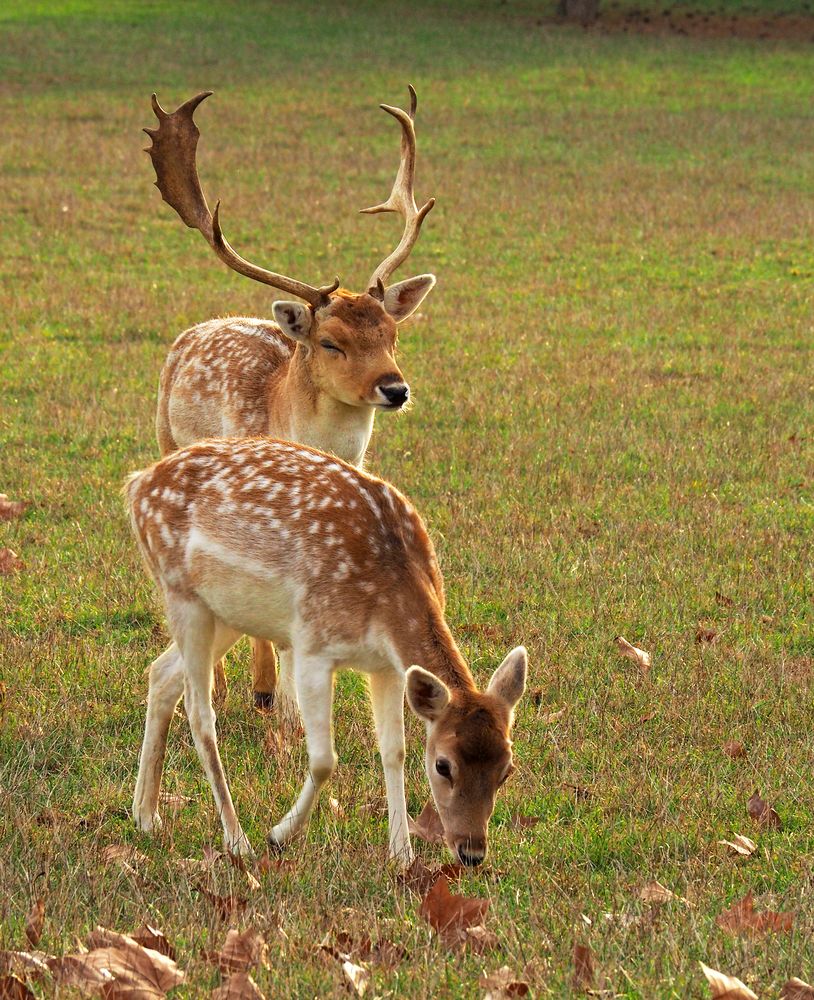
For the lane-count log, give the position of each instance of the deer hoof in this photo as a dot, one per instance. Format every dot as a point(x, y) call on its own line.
point(264, 701)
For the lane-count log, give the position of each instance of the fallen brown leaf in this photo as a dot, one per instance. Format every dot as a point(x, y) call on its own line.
point(273, 863)
point(521, 822)
point(584, 972)
point(579, 793)
point(240, 952)
point(734, 749)
point(796, 989)
point(357, 977)
point(704, 634)
point(450, 915)
point(742, 919)
point(640, 657)
point(149, 937)
point(536, 697)
point(726, 987)
point(35, 922)
point(740, 845)
point(10, 562)
point(122, 854)
point(173, 801)
point(655, 892)
point(239, 986)
point(762, 813)
point(225, 906)
point(420, 878)
point(25, 964)
point(9, 509)
point(118, 968)
point(550, 717)
point(502, 985)
point(13, 988)
point(480, 940)
point(336, 808)
point(427, 825)
point(723, 600)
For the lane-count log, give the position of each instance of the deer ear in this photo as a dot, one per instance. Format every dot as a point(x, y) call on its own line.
point(293, 318)
point(402, 299)
point(427, 694)
point(509, 680)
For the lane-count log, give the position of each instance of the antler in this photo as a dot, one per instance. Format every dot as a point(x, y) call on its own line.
point(173, 155)
point(402, 198)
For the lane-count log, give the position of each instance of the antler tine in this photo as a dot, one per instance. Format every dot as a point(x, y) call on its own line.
point(174, 144)
point(402, 197)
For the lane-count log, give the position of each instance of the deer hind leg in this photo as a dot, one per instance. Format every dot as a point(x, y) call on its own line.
point(203, 640)
point(166, 688)
point(264, 671)
point(221, 687)
point(287, 694)
point(314, 679)
point(387, 701)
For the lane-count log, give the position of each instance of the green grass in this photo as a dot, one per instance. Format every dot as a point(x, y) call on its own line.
point(613, 412)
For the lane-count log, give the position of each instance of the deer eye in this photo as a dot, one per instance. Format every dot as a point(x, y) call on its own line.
point(443, 768)
point(331, 347)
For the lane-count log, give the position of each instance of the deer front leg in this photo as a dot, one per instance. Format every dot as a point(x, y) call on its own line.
point(314, 680)
point(166, 688)
point(387, 700)
point(264, 673)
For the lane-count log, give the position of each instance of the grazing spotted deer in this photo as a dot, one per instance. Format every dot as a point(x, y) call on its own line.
point(316, 375)
point(276, 540)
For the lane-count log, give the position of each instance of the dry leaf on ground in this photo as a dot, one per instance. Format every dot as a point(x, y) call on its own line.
point(149, 937)
point(762, 813)
point(357, 977)
point(25, 963)
point(450, 915)
point(10, 562)
point(420, 878)
point(734, 749)
point(740, 845)
point(479, 939)
point(35, 922)
point(9, 509)
point(240, 952)
point(550, 717)
point(225, 906)
point(638, 656)
point(239, 986)
point(13, 988)
point(655, 892)
point(122, 854)
point(742, 919)
point(796, 989)
point(118, 968)
point(726, 987)
point(502, 985)
point(173, 801)
point(704, 634)
point(584, 972)
point(723, 600)
point(336, 808)
point(521, 822)
point(427, 825)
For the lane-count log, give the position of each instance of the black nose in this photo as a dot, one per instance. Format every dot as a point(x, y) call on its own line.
point(396, 395)
point(470, 860)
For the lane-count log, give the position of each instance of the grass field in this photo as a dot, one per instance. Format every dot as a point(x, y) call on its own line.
point(613, 423)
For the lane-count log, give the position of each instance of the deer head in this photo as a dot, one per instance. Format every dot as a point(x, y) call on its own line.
point(469, 752)
point(347, 339)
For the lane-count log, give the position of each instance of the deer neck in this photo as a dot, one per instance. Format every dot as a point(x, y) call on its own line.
point(431, 645)
point(312, 417)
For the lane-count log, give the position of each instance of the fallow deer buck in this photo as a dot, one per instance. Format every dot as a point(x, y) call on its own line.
point(316, 375)
point(276, 540)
